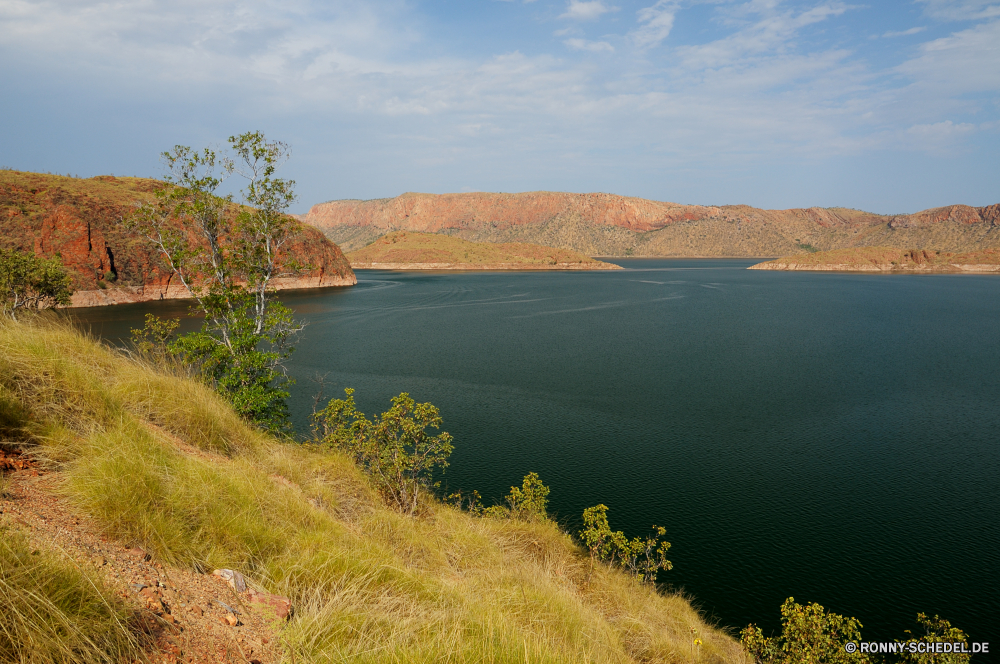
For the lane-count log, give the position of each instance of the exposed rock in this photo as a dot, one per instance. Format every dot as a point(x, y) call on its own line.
point(609, 225)
point(77, 219)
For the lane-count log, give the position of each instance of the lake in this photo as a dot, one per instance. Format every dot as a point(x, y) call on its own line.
point(832, 437)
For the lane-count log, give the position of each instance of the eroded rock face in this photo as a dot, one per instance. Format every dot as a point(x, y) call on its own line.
point(605, 224)
point(435, 213)
point(77, 220)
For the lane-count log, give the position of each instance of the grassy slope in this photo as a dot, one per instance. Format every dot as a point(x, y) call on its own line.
point(161, 461)
point(412, 247)
point(897, 258)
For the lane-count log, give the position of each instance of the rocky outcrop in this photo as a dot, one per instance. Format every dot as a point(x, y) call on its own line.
point(77, 220)
point(609, 225)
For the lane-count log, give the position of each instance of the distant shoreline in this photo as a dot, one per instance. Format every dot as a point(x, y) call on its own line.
point(487, 267)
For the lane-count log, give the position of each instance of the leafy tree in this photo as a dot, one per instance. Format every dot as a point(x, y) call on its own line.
point(28, 281)
point(809, 635)
point(226, 256)
point(395, 450)
point(642, 557)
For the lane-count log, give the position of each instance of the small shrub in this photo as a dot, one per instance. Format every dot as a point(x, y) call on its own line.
point(153, 340)
point(529, 503)
point(531, 500)
point(396, 450)
point(808, 634)
point(936, 630)
point(642, 557)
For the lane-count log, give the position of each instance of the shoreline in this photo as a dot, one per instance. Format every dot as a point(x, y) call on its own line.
point(951, 268)
point(105, 297)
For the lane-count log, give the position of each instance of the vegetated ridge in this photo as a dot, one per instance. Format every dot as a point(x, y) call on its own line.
point(129, 456)
point(887, 259)
point(610, 225)
point(76, 219)
point(406, 250)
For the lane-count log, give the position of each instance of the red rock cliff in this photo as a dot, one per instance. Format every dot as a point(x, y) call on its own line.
point(76, 219)
point(606, 224)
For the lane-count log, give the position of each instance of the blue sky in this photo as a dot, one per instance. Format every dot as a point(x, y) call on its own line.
point(889, 107)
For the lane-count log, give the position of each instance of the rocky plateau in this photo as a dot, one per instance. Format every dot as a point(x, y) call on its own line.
point(609, 225)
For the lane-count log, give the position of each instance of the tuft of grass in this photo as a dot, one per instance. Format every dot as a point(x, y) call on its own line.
point(52, 611)
point(161, 461)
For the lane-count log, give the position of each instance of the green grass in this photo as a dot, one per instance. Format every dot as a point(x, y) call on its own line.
point(160, 461)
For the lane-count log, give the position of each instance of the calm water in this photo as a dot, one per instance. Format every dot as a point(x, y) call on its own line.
point(831, 437)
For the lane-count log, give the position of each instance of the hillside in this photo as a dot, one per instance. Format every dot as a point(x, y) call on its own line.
point(77, 219)
point(404, 250)
point(886, 259)
point(129, 484)
point(610, 225)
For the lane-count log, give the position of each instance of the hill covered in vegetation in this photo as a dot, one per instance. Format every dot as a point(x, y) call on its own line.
point(139, 481)
point(77, 220)
point(610, 225)
point(409, 250)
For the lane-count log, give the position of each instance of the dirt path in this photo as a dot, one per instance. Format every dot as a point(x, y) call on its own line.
point(187, 616)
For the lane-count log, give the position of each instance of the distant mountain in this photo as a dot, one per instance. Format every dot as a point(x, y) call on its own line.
point(610, 225)
point(76, 219)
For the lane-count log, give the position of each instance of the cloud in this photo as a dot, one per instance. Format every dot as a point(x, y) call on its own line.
point(582, 10)
point(657, 21)
point(961, 10)
point(592, 46)
point(903, 33)
point(769, 31)
point(963, 62)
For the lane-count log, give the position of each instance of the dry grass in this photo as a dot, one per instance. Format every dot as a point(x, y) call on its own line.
point(52, 611)
point(162, 462)
point(408, 247)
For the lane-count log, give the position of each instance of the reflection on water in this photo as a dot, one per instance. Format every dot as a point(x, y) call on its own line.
point(826, 436)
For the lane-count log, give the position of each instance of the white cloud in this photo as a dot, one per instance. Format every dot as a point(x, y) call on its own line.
point(963, 62)
point(583, 10)
point(961, 10)
point(770, 31)
point(657, 21)
point(592, 46)
point(904, 33)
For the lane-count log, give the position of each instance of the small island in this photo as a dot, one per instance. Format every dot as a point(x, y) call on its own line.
point(887, 259)
point(408, 250)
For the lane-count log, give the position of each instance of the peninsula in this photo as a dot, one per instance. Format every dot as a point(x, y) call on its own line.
point(404, 250)
point(886, 259)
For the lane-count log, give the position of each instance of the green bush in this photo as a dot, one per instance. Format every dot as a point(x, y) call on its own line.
point(396, 450)
point(642, 557)
point(28, 281)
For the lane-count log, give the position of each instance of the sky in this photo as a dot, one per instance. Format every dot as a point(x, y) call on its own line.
point(891, 106)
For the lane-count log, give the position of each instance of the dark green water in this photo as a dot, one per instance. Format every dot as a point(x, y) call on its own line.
point(831, 437)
